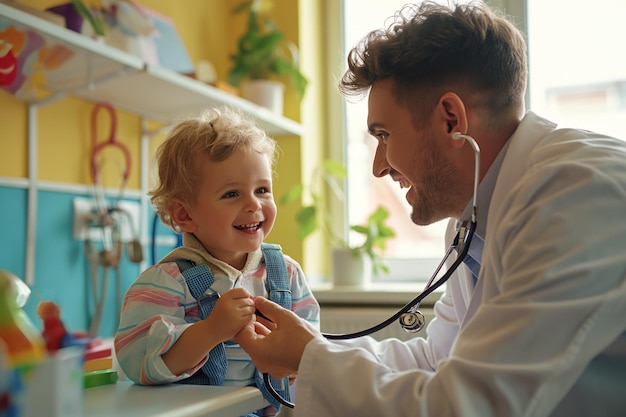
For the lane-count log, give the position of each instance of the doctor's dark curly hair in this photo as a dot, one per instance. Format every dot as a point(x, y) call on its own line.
point(430, 48)
point(216, 133)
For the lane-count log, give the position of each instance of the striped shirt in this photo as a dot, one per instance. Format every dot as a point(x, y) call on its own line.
point(158, 307)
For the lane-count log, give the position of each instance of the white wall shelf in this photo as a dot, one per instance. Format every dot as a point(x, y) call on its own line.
point(85, 68)
point(99, 72)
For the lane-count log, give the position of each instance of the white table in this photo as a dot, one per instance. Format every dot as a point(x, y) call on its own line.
point(174, 400)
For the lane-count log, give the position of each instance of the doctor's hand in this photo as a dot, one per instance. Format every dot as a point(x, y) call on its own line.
point(276, 347)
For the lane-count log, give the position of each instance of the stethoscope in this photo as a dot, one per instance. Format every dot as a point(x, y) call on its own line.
point(410, 318)
point(108, 219)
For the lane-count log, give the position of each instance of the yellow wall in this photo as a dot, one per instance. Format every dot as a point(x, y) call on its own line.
point(13, 145)
point(208, 31)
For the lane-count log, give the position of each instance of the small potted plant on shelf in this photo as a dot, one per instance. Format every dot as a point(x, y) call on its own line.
point(352, 264)
point(263, 57)
point(74, 13)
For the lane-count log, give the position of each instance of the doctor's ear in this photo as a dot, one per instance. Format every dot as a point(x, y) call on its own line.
point(451, 113)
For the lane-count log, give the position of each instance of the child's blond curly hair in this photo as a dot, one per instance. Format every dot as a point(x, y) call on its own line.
point(216, 133)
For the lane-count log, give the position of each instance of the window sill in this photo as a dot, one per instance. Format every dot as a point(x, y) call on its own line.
point(375, 294)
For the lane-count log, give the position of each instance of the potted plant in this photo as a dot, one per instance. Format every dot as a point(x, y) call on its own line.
point(262, 54)
point(314, 215)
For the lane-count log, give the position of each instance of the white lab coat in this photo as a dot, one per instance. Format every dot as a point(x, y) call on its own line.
point(543, 332)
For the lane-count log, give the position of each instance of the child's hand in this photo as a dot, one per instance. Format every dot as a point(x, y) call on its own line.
point(232, 311)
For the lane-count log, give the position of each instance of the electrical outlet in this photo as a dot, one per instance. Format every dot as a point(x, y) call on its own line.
point(85, 220)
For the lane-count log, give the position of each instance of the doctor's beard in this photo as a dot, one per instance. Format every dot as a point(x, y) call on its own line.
point(439, 193)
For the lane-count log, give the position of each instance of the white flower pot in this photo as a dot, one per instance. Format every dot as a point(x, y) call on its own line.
point(349, 270)
point(266, 93)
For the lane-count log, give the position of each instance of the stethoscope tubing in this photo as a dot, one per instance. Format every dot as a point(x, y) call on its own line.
point(419, 298)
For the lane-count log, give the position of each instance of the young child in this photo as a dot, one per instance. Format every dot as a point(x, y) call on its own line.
point(215, 186)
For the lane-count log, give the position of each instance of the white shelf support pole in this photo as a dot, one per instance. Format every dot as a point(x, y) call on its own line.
point(31, 221)
point(145, 202)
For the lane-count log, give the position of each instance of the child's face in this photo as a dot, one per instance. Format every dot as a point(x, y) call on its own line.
point(235, 209)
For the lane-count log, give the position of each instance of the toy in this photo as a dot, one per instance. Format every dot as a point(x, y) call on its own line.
point(53, 328)
point(100, 377)
point(24, 344)
point(54, 332)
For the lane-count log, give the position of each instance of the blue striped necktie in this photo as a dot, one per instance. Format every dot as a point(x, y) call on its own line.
point(474, 256)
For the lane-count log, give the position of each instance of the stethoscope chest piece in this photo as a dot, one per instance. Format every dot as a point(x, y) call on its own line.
point(412, 321)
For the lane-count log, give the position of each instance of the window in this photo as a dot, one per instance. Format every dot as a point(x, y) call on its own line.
point(577, 78)
point(577, 74)
point(416, 250)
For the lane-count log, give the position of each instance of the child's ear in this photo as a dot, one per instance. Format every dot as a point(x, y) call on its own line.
point(182, 218)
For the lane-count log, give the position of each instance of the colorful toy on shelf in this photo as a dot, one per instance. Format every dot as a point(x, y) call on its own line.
point(53, 328)
point(54, 332)
point(24, 344)
point(98, 356)
point(98, 350)
point(7, 384)
point(8, 64)
point(100, 377)
point(98, 366)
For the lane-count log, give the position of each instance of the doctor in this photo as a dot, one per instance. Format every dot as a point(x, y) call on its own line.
point(540, 330)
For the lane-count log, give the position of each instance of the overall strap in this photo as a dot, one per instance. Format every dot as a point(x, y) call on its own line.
point(199, 279)
point(280, 293)
point(277, 276)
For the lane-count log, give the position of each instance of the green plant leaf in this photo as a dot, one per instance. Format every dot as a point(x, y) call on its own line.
point(379, 216)
point(335, 168)
point(293, 194)
point(245, 5)
point(261, 52)
point(299, 82)
point(361, 229)
point(268, 44)
point(236, 74)
point(94, 20)
point(385, 231)
point(307, 221)
point(332, 172)
point(280, 66)
point(315, 215)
